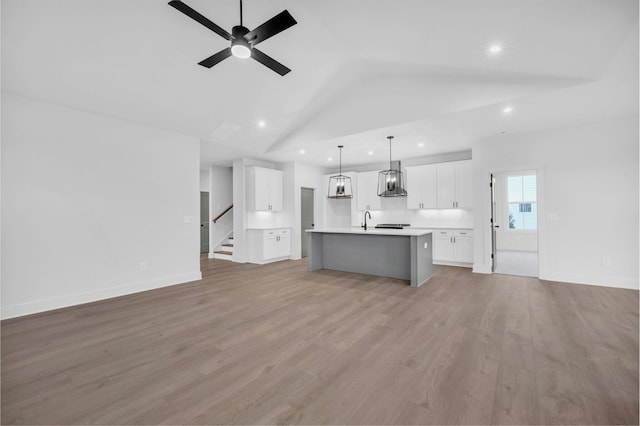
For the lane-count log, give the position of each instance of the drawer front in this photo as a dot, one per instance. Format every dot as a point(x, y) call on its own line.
point(443, 233)
point(466, 233)
point(283, 231)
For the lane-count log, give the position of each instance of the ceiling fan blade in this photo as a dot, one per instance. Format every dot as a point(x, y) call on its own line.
point(199, 18)
point(269, 62)
point(273, 26)
point(214, 59)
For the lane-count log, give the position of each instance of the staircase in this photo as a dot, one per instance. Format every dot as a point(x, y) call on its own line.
point(225, 250)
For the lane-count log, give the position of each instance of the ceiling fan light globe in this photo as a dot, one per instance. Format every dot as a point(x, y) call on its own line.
point(240, 50)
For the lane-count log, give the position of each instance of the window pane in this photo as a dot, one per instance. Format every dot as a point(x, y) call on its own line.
point(529, 188)
point(515, 217)
point(530, 219)
point(514, 189)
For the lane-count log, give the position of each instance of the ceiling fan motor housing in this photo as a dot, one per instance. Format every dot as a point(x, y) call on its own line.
point(239, 31)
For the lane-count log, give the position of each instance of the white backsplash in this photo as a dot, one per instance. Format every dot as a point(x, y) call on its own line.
point(267, 220)
point(394, 210)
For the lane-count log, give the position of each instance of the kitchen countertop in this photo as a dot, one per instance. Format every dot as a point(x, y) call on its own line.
point(373, 231)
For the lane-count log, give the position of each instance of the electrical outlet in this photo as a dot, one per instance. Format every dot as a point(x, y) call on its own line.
point(188, 219)
point(426, 245)
point(143, 266)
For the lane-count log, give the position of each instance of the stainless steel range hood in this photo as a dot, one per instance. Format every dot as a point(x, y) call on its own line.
point(391, 182)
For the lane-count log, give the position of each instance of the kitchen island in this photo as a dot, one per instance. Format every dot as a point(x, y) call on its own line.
point(396, 253)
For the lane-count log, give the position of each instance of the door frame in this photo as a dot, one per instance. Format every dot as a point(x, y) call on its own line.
point(487, 248)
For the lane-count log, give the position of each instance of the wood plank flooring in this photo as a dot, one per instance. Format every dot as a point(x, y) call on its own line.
point(275, 344)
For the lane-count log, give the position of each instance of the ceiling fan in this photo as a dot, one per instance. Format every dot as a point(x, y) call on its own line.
point(242, 40)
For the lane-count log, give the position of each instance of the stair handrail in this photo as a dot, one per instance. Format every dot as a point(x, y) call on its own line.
point(215, 219)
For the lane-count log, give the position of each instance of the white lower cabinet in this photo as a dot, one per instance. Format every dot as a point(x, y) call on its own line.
point(453, 246)
point(269, 245)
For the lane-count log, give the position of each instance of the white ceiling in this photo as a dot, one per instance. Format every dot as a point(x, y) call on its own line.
point(416, 69)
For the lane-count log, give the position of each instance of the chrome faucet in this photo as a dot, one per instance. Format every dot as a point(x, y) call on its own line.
point(365, 219)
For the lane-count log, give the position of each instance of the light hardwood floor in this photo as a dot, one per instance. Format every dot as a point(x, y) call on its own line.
point(272, 344)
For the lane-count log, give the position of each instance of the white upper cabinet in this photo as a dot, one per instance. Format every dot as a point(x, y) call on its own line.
point(265, 189)
point(422, 187)
point(440, 186)
point(464, 185)
point(446, 175)
point(367, 191)
point(454, 185)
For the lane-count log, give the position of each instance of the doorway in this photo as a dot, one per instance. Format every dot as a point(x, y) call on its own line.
point(514, 223)
point(307, 196)
point(204, 222)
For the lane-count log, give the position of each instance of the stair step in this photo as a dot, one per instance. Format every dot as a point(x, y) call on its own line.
point(227, 245)
point(218, 255)
point(224, 252)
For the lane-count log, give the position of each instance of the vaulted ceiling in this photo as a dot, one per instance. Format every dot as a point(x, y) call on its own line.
point(361, 70)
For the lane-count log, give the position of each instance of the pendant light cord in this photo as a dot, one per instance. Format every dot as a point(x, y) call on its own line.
point(340, 159)
point(240, 12)
point(389, 137)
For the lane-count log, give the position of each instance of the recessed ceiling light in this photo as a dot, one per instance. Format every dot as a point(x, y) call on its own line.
point(330, 159)
point(370, 152)
point(261, 123)
point(495, 49)
point(507, 110)
point(421, 144)
point(503, 132)
point(302, 151)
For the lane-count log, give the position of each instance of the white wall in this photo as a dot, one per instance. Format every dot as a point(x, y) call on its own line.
point(220, 197)
point(92, 207)
point(589, 205)
point(308, 177)
point(205, 180)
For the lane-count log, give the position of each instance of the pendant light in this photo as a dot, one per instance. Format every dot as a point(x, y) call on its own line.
point(340, 185)
point(390, 182)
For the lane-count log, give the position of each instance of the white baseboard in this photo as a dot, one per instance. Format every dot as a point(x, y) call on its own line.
point(590, 280)
point(447, 263)
point(38, 306)
point(484, 269)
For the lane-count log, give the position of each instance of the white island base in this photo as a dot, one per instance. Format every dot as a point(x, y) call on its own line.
point(405, 254)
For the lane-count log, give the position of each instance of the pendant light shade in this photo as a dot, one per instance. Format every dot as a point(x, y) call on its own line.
point(391, 182)
point(340, 185)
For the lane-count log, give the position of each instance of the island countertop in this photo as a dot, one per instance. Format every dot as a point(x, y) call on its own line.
point(407, 232)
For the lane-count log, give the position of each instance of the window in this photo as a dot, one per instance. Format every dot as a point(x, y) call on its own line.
point(521, 202)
